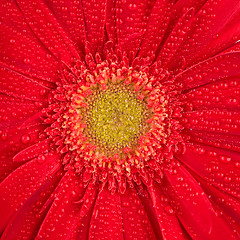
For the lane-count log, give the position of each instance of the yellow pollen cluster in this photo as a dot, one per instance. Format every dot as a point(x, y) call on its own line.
point(115, 118)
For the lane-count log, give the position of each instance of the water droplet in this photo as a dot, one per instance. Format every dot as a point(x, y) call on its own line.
point(48, 56)
point(132, 6)
point(41, 159)
point(4, 136)
point(169, 210)
point(237, 164)
point(225, 159)
point(42, 92)
point(141, 212)
point(25, 138)
point(26, 60)
point(12, 41)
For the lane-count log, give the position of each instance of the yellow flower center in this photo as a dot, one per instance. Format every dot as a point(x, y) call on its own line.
point(115, 118)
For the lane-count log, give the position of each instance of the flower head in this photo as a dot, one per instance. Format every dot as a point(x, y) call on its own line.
point(120, 120)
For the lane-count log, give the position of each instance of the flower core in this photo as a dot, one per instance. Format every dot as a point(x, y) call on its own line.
point(115, 118)
point(112, 116)
point(115, 122)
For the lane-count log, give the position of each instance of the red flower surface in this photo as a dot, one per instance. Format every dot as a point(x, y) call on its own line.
point(120, 119)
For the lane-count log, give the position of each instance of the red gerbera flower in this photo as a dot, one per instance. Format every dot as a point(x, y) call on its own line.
point(120, 119)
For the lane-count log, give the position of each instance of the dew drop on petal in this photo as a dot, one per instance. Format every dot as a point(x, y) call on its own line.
point(225, 159)
point(48, 56)
point(141, 212)
point(4, 136)
point(25, 138)
point(12, 41)
point(237, 164)
point(169, 210)
point(42, 92)
point(41, 159)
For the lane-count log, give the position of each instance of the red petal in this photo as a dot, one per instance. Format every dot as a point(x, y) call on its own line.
point(136, 223)
point(164, 17)
point(63, 219)
point(176, 37)
point(219, 95)
point(218, 166)
point(233, 48)
point(111, 21)
point(220, 140)
point(86, 211)
point(26, 221)
point(22, 184)
point(166, 217)
point(215, 27)
point(156, 26)
point(15, 110)
point(21, 50)
point(106, 221)
point(131, 23)
point(180, 5)
point(213, 121)
point(46, 27)
point(71, 18)
point(17, 85)
point(13, 140)
point(95, 20)
point(213, 69)
point(193, 207)
point(226, 205)
point(37, 150)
